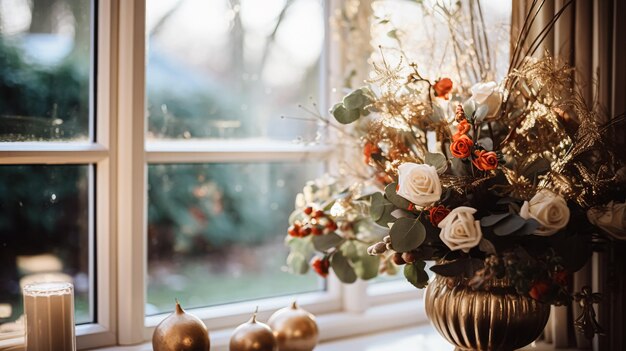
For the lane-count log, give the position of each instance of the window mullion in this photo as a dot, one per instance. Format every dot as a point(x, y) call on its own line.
point(131, 173)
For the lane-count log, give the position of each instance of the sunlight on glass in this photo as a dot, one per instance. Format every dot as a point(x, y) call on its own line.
point(233, 68)
point(45, 63)
point(408, 29)
point(216, 233)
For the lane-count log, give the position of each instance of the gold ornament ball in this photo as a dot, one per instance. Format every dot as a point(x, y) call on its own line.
point(294, 328)
point(253, 336)
point(181, 332)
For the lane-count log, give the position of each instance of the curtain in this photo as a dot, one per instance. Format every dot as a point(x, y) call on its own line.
point(590, 36)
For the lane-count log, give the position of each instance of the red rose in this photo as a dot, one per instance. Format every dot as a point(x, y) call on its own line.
point(321, 266)
point(442, 87)
point(539, 289)
point(437, 214)
point(461, 147)
point(485, 160)
point(463, 128)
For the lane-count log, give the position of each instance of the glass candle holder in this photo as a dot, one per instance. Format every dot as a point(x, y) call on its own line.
point(49, 311)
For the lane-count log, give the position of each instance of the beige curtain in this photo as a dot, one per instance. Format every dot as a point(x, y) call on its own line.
point(591, 36)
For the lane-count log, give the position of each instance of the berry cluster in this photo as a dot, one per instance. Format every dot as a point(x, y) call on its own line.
point(316, 223)
point(321, 265)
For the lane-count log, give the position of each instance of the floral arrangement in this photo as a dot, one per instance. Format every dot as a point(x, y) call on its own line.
point(514, 179)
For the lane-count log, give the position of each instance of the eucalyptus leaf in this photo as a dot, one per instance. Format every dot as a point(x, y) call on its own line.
point(486, 246)
point(355, 100)
point(528, 228)
point(469, 107)
point(365, 266)
point(509, 225)
point(481, 113)
point(491, 220)
point(407, 234)
point(437, 160)
point(342, 268)
point(343, 115)
point(416, 275)
point(486, 143)
point(297, 263)
point(400, 213)
point(327, 241)
point(394, 198)
point(380, 210)
point(453, 268)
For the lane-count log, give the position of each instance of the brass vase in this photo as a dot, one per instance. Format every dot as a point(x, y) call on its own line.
point(492, 318)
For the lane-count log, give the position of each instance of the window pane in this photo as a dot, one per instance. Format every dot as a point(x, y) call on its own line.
point(216, 232)
point(44, 235)
point(44, 69)
point(396, 29)
point(235, 70)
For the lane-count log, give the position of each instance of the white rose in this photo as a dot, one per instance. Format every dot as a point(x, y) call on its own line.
point(611, 218)
point(419, 183)
point(459, 230)
point(489, 95)
point(549, 209)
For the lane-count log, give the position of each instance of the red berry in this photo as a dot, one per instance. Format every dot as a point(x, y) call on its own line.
point(316, 230)
point(294, 230)
point(304, 231)
point(308, 210)
point(321, 266)
point(332, 226)
point(318, 214)
point(397, 259)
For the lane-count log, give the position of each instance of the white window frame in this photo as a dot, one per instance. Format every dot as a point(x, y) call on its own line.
point(101, 154)
point(121, 154)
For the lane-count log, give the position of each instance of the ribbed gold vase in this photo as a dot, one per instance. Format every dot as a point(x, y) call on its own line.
point(494, 318)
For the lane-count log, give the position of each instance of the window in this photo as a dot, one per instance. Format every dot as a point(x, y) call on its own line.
point(216, 229)
point(55, 161)
point(148, 152)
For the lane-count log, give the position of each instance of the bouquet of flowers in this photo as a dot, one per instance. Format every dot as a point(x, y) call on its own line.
point(512, 179)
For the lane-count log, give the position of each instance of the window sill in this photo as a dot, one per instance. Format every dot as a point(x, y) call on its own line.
point(334, 326)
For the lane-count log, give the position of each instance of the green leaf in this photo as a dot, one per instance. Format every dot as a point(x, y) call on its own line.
point(380, 209)
point(488, 221)
point(327, 241)
point(355, 100)
point(480, 113)
point(528, 228)
point(486, 246)
point(469, 107)
point(343, 115)
point(486, 143)
point(509, 225)
point(365, 266)
point(407, 234)
point(297, 263)
point(437, 160)
point(416, 275)
point(393, 34)
point(342, 268)
point(394, 198)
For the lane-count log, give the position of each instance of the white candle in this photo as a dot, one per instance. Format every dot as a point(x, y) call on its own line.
point(49, 311)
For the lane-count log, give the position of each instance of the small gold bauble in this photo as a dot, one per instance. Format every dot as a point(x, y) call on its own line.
point(253, 336)
point(294, 328)
point(181, 332)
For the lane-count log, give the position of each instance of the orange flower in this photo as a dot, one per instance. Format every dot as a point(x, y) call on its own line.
point(539, 289)
point(437, 214)
point(461, 147)
point(321, 266)
point(368, 150)
point(463, 128)
point(485, 160)
point(442, 87)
